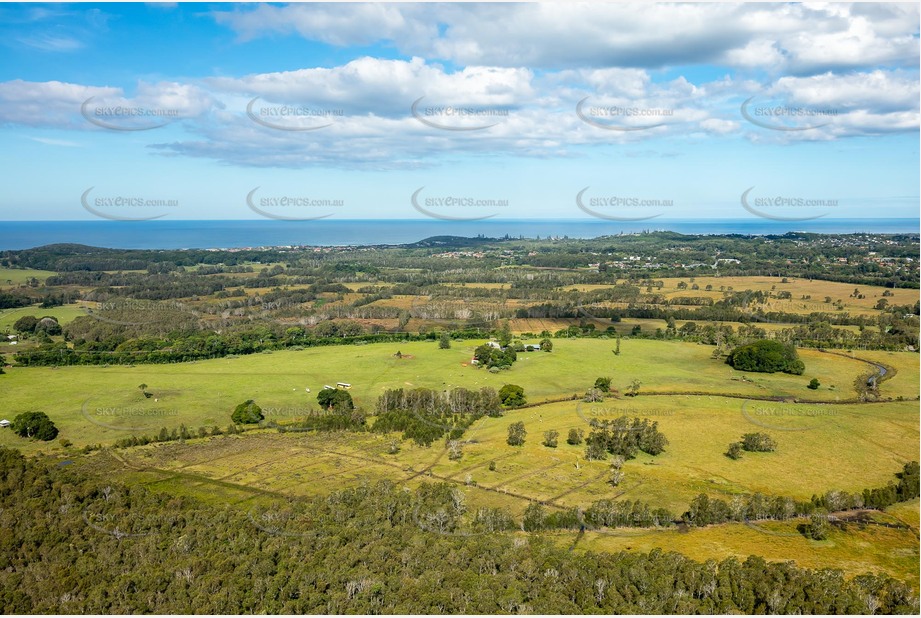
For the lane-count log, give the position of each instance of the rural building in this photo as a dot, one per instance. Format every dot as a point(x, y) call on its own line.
point(5, 423)
point(344, 385)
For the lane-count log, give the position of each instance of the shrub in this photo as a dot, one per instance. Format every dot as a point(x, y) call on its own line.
point(735, 451)
point(758, 443)
point(603, 384)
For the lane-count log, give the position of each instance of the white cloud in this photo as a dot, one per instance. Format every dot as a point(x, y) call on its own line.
point(55, 142)
point(532, 114)
point(383, 87)
point(62, 105)
point(776, 37)
point(719, 126)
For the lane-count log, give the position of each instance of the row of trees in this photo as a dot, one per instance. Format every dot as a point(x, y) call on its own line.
point(705, 510)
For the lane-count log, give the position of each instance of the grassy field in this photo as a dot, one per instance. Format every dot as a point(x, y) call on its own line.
point(850, 447)
point(810, 458)
point(816, 289)
point(64, 314)
point(853, 550)
point(101, 404)
point(14, 277)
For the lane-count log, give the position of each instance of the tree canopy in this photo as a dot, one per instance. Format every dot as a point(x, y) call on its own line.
point(766, 356)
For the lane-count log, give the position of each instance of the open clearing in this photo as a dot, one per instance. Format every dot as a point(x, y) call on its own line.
point(93, 404)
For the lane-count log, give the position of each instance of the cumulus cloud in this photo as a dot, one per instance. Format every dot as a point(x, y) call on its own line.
point(793, 38)
point(480, 83)
point(57, 104)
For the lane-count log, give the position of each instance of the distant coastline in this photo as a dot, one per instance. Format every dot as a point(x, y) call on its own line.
point(239, 234)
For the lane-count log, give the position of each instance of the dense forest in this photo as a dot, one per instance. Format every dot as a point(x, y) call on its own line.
point(71, 543)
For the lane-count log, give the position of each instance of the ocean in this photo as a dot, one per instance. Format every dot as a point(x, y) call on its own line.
point(266, 233)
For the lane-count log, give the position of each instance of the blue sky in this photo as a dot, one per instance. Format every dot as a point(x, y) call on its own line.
point(667, 110)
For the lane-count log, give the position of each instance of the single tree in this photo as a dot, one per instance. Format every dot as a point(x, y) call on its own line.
point(505, 335)
point(516, 434)
point(444, 341)
point(512, 396)
point(634, 388)
point(34, 425)
point(818, 527)
point(814, 384)
point(246, 413)
point(335, 399)
point(550, 438)
point(575, 437)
